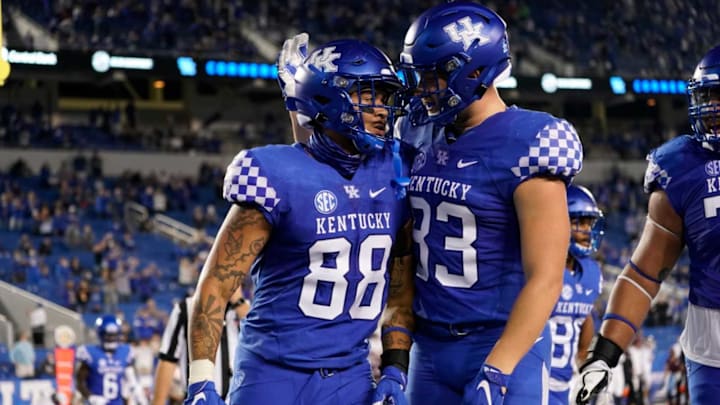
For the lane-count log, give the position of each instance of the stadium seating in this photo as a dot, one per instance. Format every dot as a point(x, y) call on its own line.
point(596, 38)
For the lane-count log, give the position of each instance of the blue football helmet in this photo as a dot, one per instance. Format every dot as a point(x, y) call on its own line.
point(108, 329)
point(704, 98)
point(581, 204)
point(326, 79)
point(463, 43)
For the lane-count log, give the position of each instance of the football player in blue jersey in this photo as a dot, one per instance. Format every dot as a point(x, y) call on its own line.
point(318, 227)
point(491, 229)
point(398, 319)
point(682, 179)
point(571, 323)
point(103, 369)
point(488, 193)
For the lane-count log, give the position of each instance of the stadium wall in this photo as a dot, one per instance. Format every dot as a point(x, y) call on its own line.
point(115, 163)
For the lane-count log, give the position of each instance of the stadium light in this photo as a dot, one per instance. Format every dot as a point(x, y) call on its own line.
point(102, 61)
point(244, 70)
point(186, 66)
point(659, 86)
point(551, 83)
point(617, 85)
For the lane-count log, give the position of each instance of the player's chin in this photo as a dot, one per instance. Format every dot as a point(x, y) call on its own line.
point(380, 133)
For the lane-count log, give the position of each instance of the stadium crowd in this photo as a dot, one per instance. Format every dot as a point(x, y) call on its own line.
point(595, 38)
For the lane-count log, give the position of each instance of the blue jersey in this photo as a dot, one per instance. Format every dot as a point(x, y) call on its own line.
point(320, 283)
point(581, 288)
point(107, 370)
point(690, 175)
point(466, 229)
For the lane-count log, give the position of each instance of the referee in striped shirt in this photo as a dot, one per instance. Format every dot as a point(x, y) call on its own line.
point(174, 351)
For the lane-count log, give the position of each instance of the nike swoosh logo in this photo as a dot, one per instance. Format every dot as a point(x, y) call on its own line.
point(485, 386)
point(588, 292)
point(199, 397)
point(538, 339)
point(376, 193)
point(462, 165)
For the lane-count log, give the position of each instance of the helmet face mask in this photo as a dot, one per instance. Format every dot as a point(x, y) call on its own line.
point(587, 222)
point(345, 84)
point(705, 112)
point(374, 99)
point(704, 99)
point(108, 329)
point(430, 87)
point(463, 43)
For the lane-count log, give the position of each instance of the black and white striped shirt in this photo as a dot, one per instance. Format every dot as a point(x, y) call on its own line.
point(174, 347)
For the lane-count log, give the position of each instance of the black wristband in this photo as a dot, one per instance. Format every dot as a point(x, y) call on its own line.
point(399, 358)
point(604, 349)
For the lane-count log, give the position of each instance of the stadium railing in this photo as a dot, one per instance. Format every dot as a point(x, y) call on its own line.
point(16, 303)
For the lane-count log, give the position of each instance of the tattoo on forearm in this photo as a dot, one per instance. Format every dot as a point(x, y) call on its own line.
point(399, 275)
point(206, 327)
point(235, 251)
point(397, 284)
point(402, 317)
point(399, 311)
point(396, 340)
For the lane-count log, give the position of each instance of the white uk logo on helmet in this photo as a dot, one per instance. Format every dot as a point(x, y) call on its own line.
point(463, 30)
point(325, 60)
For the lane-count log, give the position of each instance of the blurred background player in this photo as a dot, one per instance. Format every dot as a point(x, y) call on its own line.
point(104, 369)
point(171, 372)
point(682, 211)
point(571, 323)
point(314, 224)
point(488, 193)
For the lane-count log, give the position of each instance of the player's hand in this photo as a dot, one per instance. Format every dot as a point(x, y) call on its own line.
point(391, 387)
point(292, 55)
point(97, 400)
point(487, 388)
point(203, 393)
point(594, 377)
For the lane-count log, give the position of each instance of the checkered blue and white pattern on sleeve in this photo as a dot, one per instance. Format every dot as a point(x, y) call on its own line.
point(655, 175)
point(557, 150)
point(244, 182)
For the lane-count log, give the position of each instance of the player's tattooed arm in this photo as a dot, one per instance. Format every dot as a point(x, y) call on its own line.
point(399, 320)
point(241, 238)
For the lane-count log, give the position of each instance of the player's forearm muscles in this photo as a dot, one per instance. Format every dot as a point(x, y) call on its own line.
point(657, 252)
point(527, 319)
point(399, 319)
point(541, 206)
point(240, 240)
